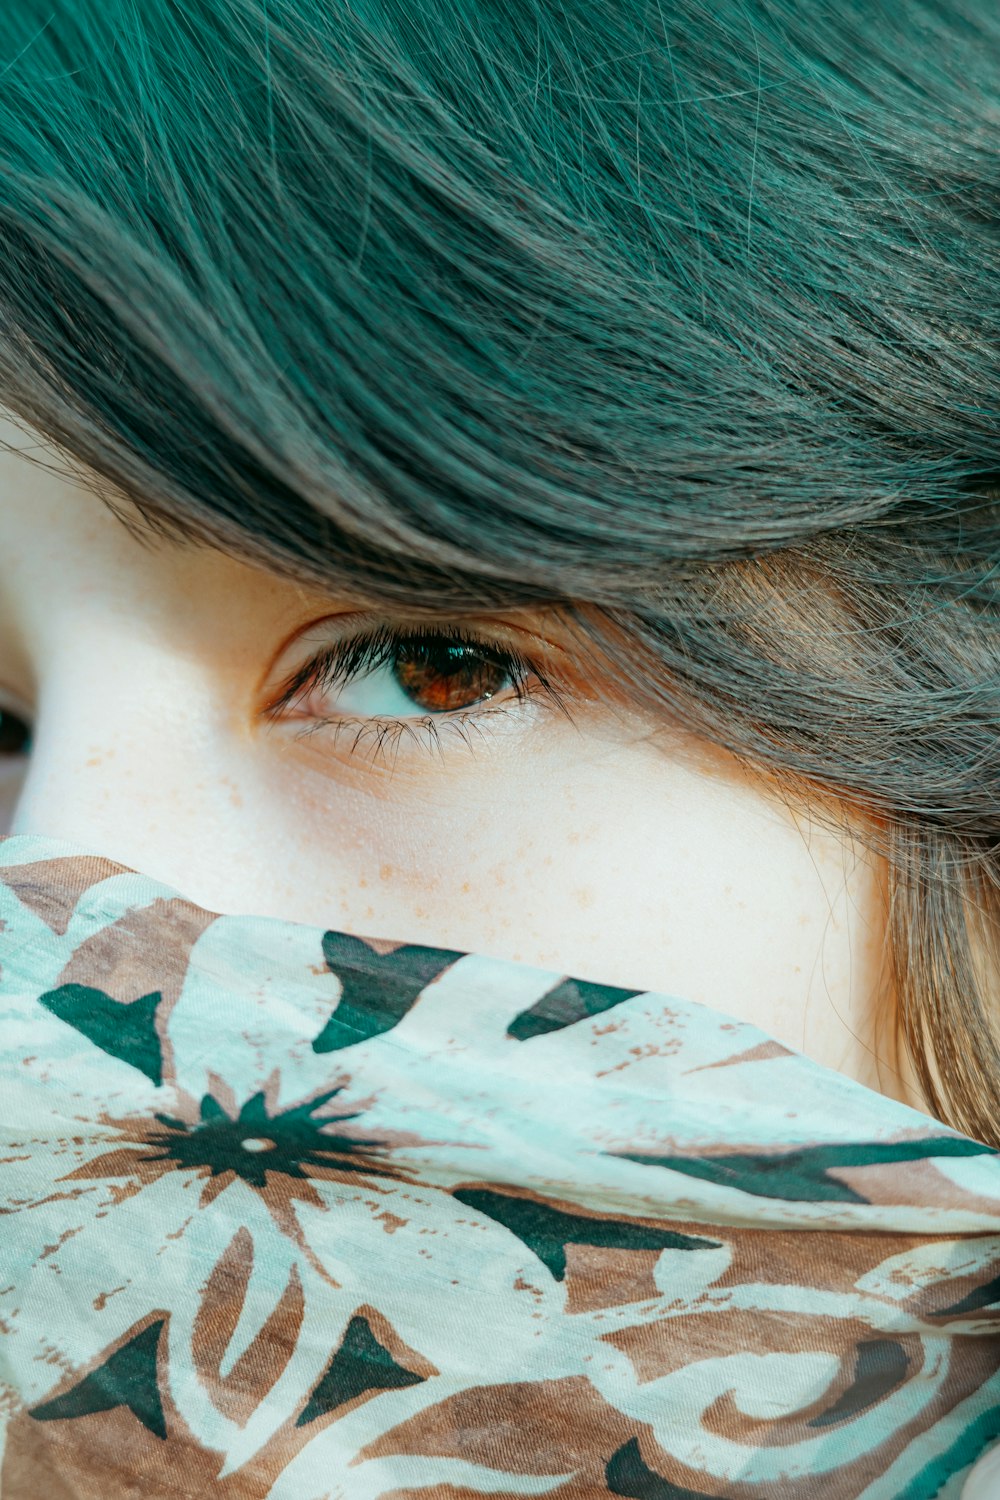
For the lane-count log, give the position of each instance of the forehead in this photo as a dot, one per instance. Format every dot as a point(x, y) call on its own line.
point(69, 563)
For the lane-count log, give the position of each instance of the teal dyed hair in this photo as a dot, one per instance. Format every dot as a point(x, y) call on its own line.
point(681, 316)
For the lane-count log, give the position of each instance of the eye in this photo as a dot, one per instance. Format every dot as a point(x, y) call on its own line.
point(15, 736)
point(416, 676)
point(389, 682)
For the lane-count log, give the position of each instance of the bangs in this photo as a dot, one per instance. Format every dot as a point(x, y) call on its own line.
point(493, 302)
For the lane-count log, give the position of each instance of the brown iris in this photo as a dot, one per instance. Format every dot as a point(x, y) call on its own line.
point(442, 678)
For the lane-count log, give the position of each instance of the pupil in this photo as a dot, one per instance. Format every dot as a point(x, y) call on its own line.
point(15, 736)
point(442, 678)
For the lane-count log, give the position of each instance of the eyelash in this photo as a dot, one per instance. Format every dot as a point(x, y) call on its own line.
point(341, 662)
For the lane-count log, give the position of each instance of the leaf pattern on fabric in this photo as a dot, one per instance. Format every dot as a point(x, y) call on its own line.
point(125, 1031)
point(567, 1003)
point(127, 1377)
point(804, 1176)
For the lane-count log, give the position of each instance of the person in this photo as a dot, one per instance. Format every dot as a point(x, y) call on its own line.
point(522, 480)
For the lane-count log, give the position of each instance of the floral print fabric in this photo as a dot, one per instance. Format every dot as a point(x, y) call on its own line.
point(288, 1214)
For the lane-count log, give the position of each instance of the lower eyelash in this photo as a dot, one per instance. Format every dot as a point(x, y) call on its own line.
point(387, 734)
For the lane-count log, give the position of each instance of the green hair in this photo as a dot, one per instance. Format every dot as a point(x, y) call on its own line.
point(680, 317)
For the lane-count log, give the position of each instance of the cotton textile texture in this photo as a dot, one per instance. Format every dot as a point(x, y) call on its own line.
point(289, 1213)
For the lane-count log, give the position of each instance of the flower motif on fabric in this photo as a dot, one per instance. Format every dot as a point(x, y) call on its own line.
point(265, 1156)
point(280, 1153)
point(255, 1144)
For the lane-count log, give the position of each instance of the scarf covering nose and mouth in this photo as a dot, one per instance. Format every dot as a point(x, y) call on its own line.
point(293, 1214)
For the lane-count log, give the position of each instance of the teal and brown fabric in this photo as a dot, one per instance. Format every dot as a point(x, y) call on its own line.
point(288, 1214)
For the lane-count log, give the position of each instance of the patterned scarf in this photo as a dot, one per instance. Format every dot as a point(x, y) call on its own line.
point(294, 1214)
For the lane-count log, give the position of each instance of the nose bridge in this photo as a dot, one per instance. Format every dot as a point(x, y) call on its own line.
point(135, 758)
point(123, 751)
point(95, 730)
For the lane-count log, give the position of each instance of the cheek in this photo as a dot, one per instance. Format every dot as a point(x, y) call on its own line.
point(626, 867)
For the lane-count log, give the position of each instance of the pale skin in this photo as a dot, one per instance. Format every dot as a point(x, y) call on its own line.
point(608, 847)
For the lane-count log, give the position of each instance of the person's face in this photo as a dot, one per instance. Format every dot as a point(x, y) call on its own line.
point(612, 849)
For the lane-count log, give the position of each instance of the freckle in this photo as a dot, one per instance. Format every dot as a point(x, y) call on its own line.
point(573, 838)
point(362, 883)
point(466, 887)
point(584, 897)
point(236, 799)
point(385, 872)
point(95, 760)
